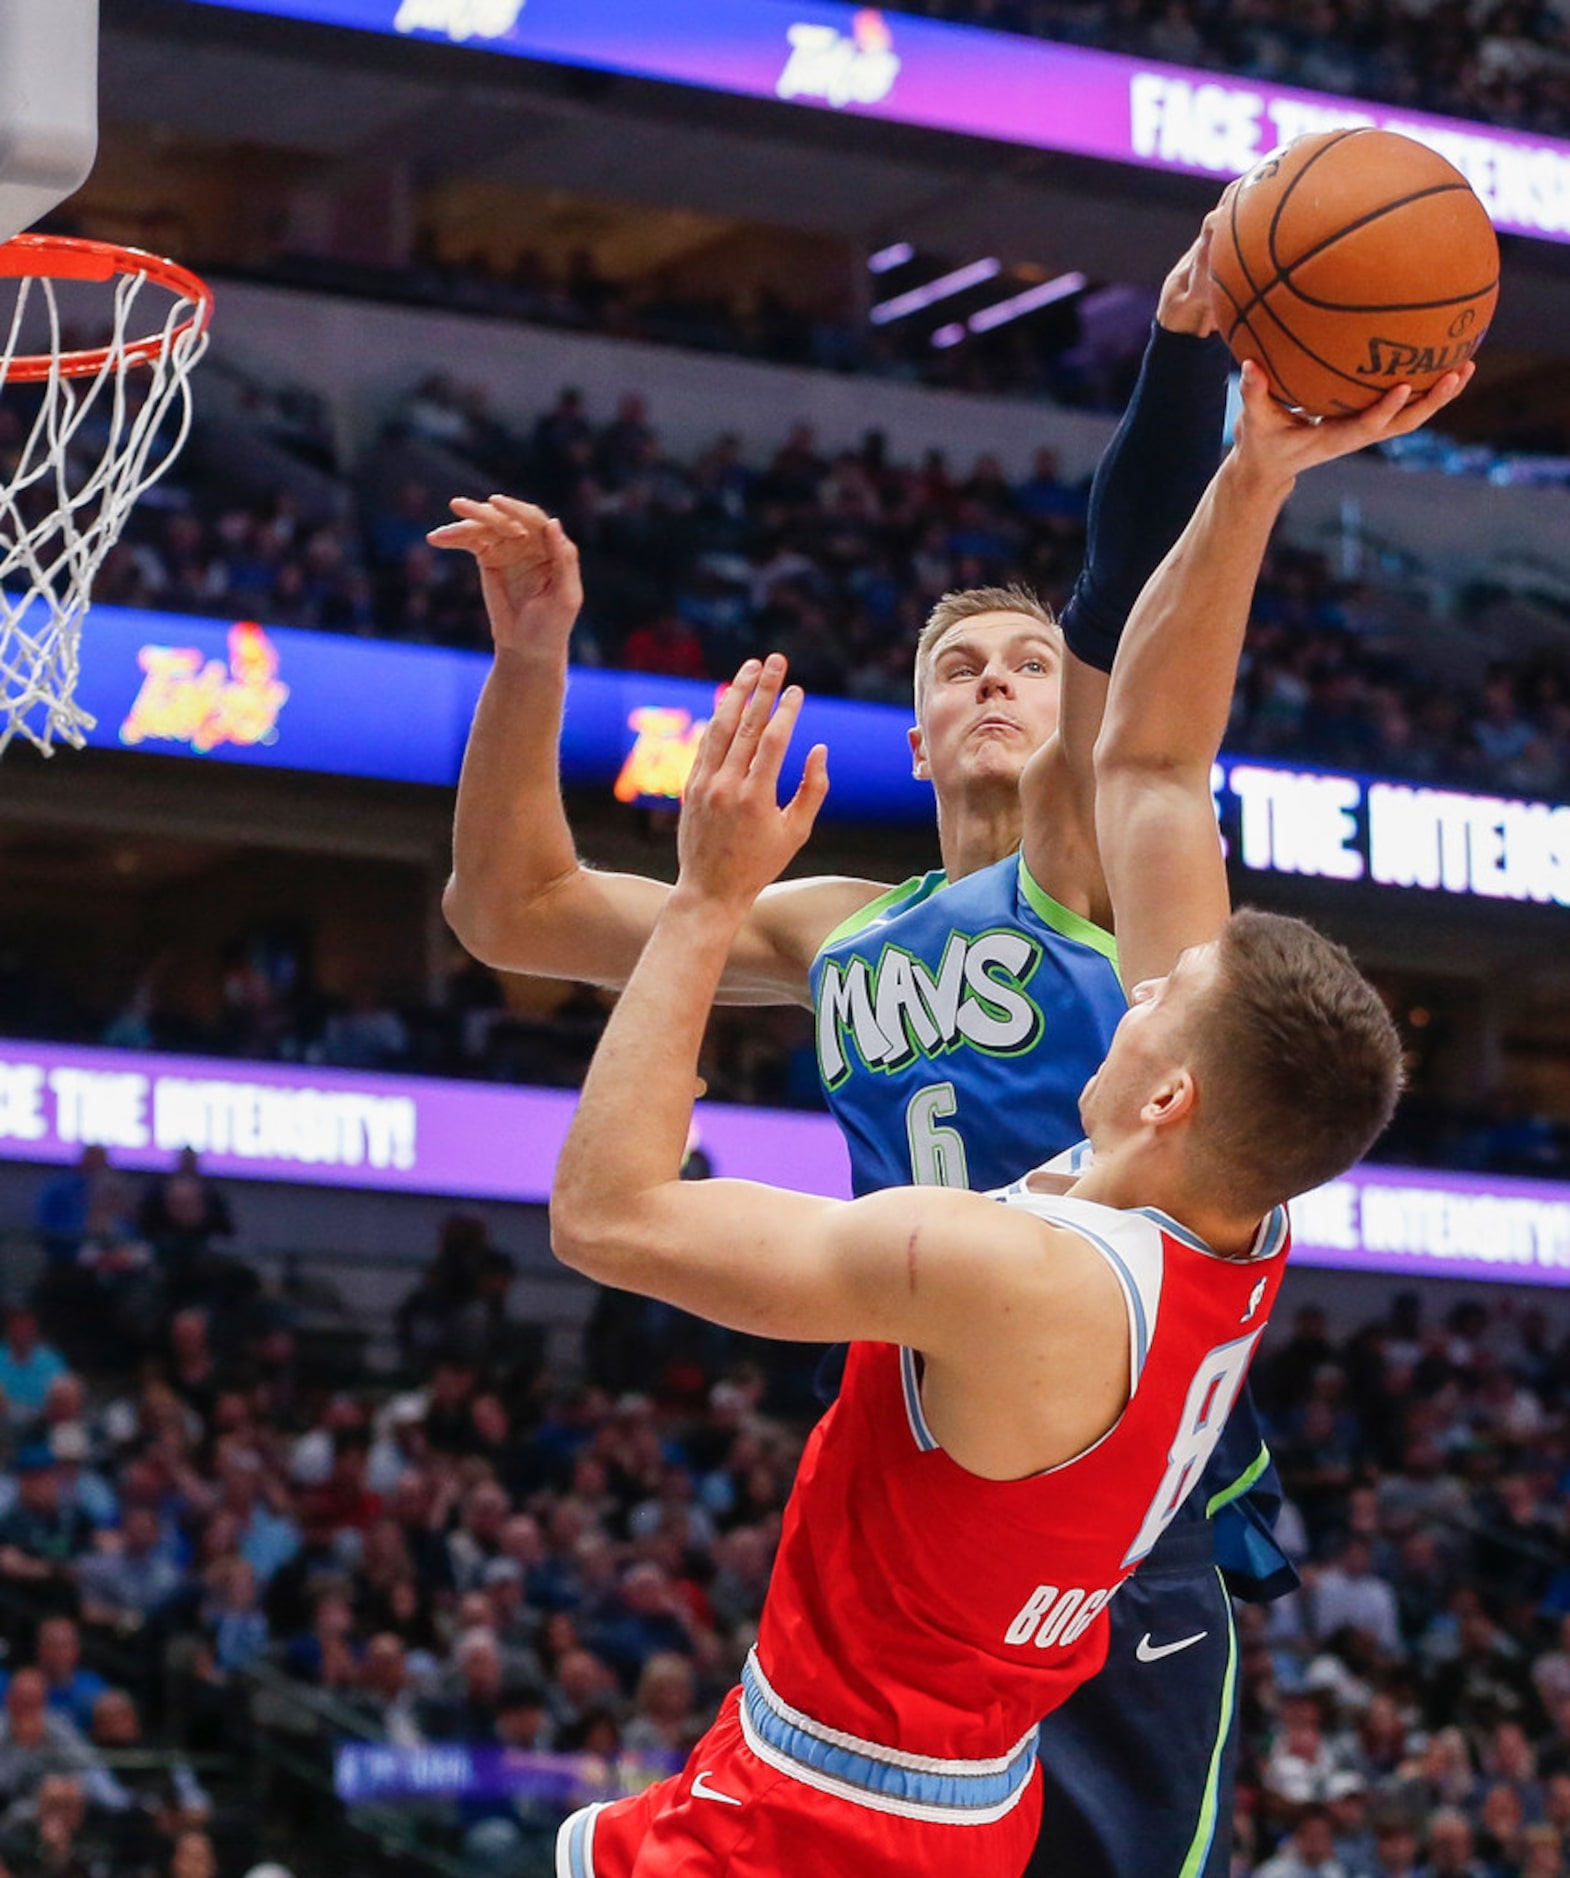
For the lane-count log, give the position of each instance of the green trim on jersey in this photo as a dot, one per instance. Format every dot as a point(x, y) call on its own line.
point(1241, 1485)
point(918, 888)
point(1205, 1827)
point(1071, 925)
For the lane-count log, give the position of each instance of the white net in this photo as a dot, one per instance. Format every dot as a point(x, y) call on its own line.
point(76, 451)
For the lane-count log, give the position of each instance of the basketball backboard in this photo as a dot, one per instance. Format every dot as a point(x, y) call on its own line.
point(48, 105)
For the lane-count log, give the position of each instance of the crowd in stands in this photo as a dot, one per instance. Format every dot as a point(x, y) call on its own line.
point(831, 557)
point(1045, 356)
point(1498, 61)
point(477, 1551)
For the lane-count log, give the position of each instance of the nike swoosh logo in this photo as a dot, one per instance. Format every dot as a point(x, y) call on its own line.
point(1149, 1652)
point(701, 1790)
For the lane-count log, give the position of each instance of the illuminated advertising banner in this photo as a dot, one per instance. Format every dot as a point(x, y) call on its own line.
point(999, 86)
point(281, 698)
point(411, 1134)
point(340, 1128)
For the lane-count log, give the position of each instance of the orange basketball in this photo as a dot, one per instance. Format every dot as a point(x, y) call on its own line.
point(1352, 261)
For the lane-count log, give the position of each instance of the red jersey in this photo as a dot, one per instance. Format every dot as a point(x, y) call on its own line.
point(925, 1619)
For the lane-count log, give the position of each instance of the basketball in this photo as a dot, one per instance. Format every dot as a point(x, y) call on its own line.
point(1352, 261)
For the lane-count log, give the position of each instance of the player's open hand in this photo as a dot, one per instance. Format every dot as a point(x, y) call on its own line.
point(735, 837)
point(1281, 444)
point(1185, 304)
point(528, 570)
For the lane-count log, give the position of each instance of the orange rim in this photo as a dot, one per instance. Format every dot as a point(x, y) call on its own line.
point(68, 257)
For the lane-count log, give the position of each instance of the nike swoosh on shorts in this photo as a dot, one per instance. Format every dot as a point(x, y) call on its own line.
point(1149, 1652)
point(701, 1790)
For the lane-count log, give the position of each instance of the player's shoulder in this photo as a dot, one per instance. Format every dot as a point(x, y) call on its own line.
point(833, 910)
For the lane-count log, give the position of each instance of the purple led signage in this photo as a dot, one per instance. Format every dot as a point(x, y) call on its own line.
point(336, 1128)
point(999, 86)
point(259, 1121)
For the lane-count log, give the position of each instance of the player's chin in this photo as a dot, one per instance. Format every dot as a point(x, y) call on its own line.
point(997, 756)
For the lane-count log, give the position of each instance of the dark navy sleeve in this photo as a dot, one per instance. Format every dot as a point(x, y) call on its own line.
point(1147, 485)
point(1241, 1492)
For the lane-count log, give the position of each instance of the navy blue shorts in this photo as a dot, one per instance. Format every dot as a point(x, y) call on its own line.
point(1139, 1764)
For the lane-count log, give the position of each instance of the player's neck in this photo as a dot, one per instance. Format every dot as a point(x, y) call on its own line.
point(1134, 1179)
point(974, 831)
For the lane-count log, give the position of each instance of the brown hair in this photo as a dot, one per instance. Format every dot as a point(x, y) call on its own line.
point(970, 603)
point(1299, 1064)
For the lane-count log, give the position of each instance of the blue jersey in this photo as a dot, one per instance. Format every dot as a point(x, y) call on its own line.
point(957, 1023)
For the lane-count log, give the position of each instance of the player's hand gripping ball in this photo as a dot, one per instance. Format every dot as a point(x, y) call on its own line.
point(1352, 261)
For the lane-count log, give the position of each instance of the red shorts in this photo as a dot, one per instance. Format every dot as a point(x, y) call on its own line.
point(730, 1815)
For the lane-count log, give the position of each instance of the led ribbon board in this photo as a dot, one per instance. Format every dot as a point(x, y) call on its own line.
point(998, 86)
point(281, 698)
point(414, 1134)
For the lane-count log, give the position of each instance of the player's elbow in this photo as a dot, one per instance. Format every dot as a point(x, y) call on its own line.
point(465, 914)
point(486, 925)
point(579, 1236)
point(591, 1231)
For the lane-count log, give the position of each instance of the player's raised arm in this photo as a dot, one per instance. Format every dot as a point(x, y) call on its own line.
point(903, 1266)
point(1151, 475)
point(519, 898)
point(1171, 689)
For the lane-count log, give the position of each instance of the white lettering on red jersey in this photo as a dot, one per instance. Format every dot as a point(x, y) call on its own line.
point(920, 1607)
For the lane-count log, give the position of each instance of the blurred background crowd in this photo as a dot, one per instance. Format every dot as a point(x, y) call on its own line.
point(215, 1525)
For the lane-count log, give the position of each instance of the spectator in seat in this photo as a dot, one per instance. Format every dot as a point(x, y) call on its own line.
point(193, 1372)
point(34, 1743)
point(28, 1366)
point(645, 1618)
point(1450, 1847)
point(385, 1695)
point(467, 1710)
point(44, 1832)
point(124, 1586)
point(1309, 1852)
point(166, 1799)
point(235, 1624)
point(1395, 1847)
point(181, 1217)
point(73, 1690)
point(479, 1536)
point(1349, 1594)
point(41, 1540)
point(666, 1721)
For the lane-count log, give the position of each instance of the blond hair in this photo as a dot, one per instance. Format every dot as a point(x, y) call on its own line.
point(970, 603)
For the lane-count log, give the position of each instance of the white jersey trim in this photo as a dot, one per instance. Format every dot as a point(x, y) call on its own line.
point(575, 1842)
point(1130, 1242)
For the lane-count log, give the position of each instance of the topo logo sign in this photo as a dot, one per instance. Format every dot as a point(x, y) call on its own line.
point(837, 69)
point(460, 20)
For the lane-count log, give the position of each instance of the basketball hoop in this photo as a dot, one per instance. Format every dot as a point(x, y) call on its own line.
point(101, 435)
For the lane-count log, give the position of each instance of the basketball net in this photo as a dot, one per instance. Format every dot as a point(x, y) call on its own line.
point(109, 422)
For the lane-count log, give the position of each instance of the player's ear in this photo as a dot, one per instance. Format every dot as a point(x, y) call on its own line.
point(1172, 1100)
point(918, 754)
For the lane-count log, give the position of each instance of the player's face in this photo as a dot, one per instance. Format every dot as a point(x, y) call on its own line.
point(990, 700)
point(1151, 1041)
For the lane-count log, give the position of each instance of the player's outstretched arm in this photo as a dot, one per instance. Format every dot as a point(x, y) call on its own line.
point(1171, 689)
point(519, 898)
point(1150, 477)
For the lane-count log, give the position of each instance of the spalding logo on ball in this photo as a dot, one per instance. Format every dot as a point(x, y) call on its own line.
point(1351, 261)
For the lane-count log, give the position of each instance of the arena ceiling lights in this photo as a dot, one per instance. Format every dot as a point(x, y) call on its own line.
point(1001, 312)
